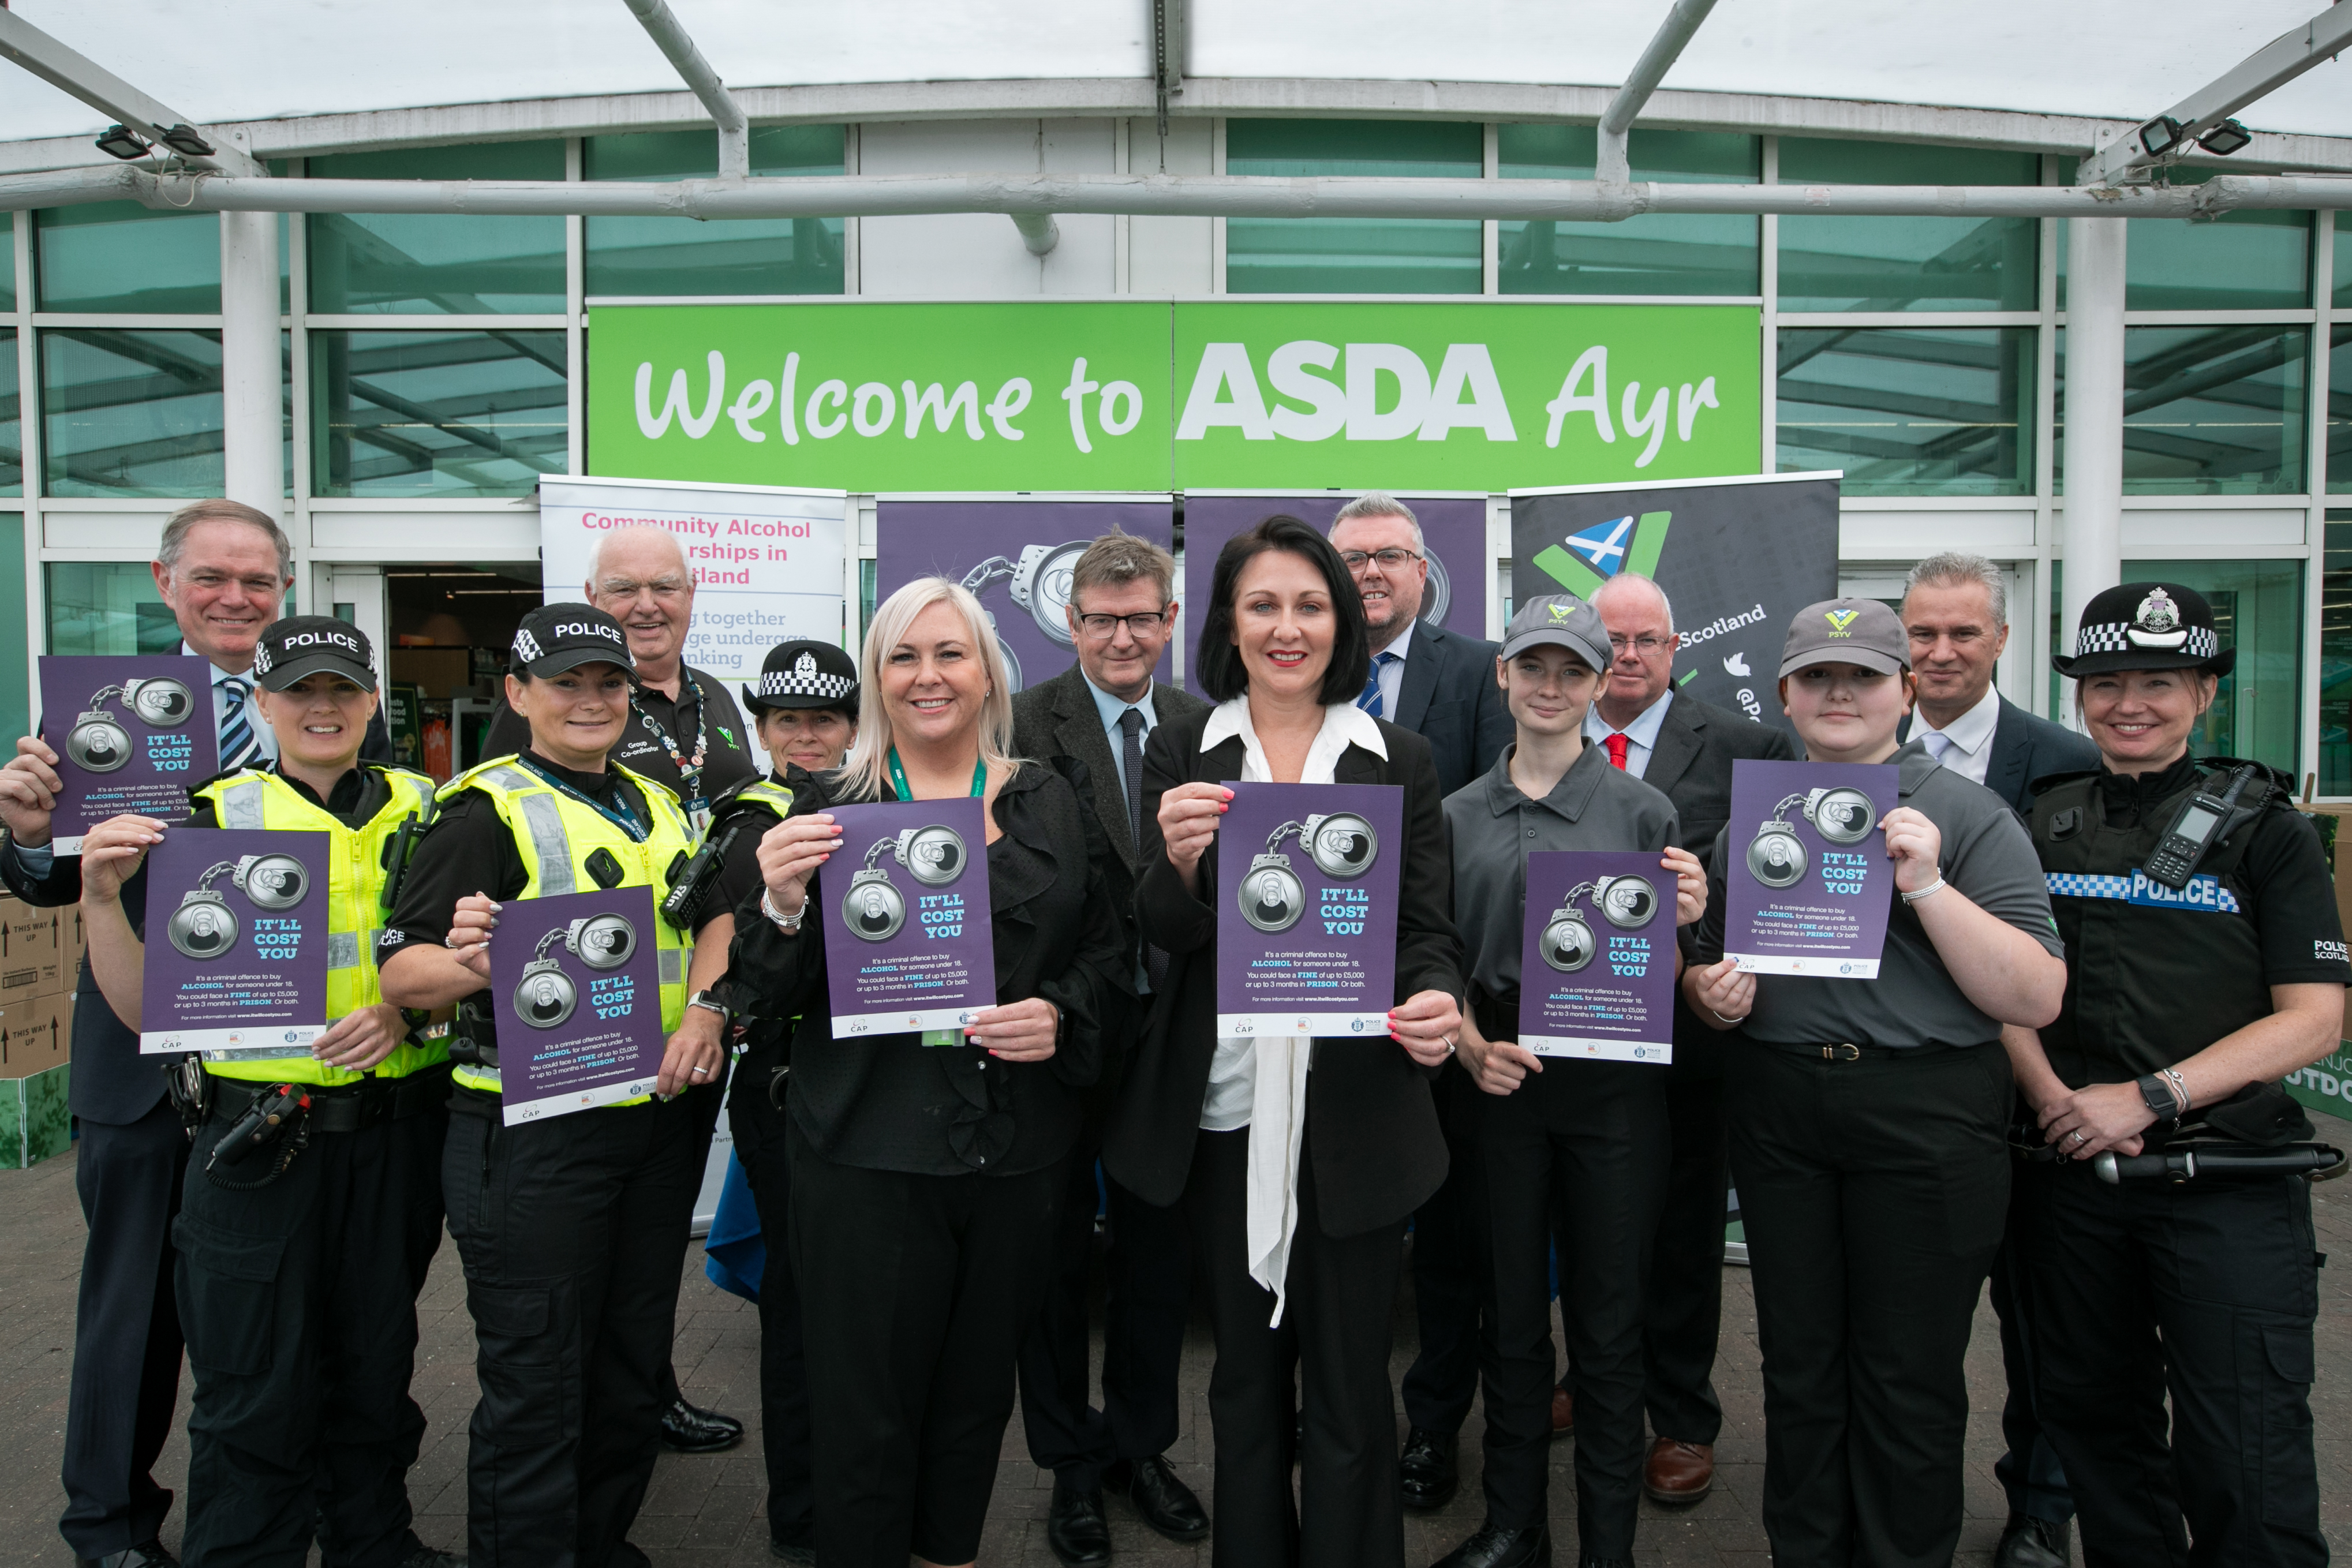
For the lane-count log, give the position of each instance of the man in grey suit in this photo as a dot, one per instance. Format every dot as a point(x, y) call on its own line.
point(1955, 608)
point(1090, 721)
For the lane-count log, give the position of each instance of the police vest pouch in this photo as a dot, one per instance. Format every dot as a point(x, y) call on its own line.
point(2263, 1115)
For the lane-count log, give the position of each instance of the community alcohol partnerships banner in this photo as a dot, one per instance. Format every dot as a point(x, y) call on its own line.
point(767, 562)
point(1155, 395)
point(1737, 559)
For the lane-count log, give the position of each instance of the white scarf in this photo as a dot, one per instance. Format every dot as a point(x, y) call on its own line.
point(1279, 1102)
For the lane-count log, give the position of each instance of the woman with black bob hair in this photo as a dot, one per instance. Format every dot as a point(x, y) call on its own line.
point(1295, 1160)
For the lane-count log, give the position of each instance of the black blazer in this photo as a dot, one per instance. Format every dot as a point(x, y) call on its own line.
point(1372, 1126)
point(110, 1083)
point(1449, 698)
point(2027, 748)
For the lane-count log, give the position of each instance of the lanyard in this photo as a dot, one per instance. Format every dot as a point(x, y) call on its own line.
point(898, 777)
point(689, 769)
point(624, 819)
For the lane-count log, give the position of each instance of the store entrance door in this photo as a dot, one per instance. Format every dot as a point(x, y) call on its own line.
point(443, 630)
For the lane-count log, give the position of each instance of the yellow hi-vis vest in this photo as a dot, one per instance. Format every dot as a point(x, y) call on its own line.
point(355, 879)
point(556, 834)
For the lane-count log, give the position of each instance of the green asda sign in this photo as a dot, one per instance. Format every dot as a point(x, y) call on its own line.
point(1154, 396)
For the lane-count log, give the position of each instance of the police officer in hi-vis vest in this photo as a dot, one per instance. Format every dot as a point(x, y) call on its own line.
point(302, 1239)
point(2162, 1224)
point(573, 1228)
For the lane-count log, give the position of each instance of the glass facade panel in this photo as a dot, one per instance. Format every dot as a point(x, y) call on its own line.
point(108, 607)
point(2258, 610)
point(2344, 261)
point(1354, 256)
point(1659, 252)
point(130, 411)
point(2339, 405)
point(1907, 263)
point(8, 261)
point(12, 419)
point(118, 255)
point(2207, 410)
point(684, 257)
point(2241, 261)
point(1910, 411)
point(436, 413)
point(432, 264)
point(2336, 659)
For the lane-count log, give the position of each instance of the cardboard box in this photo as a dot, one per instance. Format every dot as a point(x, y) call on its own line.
point(36, 1034)
point(77, 947)
point(32, 950)
point(34, 1120)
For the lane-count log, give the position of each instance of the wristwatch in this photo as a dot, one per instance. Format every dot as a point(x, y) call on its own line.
point(2159, 1097)
point(709, 1002)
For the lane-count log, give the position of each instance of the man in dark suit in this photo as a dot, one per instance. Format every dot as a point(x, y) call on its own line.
point(1440, 684)
point(1683, 747)
point(1090, 722)
point(224, 569)
point(1955, 608)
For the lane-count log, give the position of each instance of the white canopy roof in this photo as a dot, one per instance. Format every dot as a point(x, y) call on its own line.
point(228, 60)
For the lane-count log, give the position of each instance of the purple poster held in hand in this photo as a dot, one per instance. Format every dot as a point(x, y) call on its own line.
point(908, 943)
point(1306, 917)
point(130, 732)
point(575, 983)
point(1809, 882)
point(237, 944)
point(1597, 961)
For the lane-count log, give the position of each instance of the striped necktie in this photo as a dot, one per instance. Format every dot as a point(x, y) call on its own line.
point(240, 746)
point(1370, 699)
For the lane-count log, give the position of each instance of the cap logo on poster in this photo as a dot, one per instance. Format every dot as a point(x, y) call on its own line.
point(97, 744)
point(1628, 902)
point(205, 927)
point(1341, 845)
point(1839, 621)
point(2157, 622)
point(1843, 816)
point(874, 909)
point(546, 995)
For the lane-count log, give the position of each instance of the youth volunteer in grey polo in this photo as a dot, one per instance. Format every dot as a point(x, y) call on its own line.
point(1869, 1145)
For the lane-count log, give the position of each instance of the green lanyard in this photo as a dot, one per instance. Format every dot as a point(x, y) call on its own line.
point(899, 783)
point(898, 777)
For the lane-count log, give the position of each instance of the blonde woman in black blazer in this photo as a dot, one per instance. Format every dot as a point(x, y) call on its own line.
point(1284, 651)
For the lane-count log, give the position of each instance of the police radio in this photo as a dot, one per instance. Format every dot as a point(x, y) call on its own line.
point(2203, 821)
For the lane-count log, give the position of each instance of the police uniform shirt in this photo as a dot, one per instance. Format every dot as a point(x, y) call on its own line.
point(1986, 856)
point(354, 800)
point(738, 874)
point(1492, 827)
point(727, 760)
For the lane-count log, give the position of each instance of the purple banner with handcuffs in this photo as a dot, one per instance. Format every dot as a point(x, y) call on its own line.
point(1597, 961)
point(575, 979)
point(908, 943)
point(1808, 880)
point(236, 944)
point(142, 731)
point(1308, 945)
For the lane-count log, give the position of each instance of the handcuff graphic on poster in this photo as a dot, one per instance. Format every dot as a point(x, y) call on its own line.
point(1628, 902)
point(1041, 585)
point(874, 909)
point(205, 927)
point(1341, 845)
point(99, 743)
point(1843, 816)
point(545, 996)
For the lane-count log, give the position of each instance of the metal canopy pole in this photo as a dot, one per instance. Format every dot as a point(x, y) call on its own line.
point(2266, 70)
point(100, 88)
point(1610, 166)
point(253, 419)
point(2090, 516)
point(734, 126)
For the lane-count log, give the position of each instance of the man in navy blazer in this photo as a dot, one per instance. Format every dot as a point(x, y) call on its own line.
point(1956, 608)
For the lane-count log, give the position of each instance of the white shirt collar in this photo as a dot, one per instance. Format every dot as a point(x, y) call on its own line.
point(219, 674)
point(1344, 725)
point(1642, 732)
point(1973, 729)
point(1110, 708)
point(1402, 649)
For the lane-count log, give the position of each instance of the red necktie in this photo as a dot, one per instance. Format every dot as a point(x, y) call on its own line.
point(1616, 744)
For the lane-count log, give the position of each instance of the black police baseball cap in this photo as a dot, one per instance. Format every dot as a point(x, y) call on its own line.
point(554, 638)
point(804, 673)
point(2146, 626)
point(300, 645)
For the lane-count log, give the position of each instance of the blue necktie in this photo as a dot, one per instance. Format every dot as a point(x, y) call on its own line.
point(1370, 699)
point(238, 745)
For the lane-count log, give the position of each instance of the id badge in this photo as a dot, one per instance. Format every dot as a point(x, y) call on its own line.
point(944, 1037)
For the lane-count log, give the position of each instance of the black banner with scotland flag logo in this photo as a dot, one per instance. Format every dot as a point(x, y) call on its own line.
point(1737, 559)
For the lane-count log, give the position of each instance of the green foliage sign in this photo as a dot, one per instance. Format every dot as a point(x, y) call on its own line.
point(1150, 395)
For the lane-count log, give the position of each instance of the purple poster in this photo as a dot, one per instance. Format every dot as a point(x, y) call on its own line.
point(575, 981)
point(1016, 554)
point(1453, 528)
point(237, 944)
point(908, 944)
point(131, 733)
point(1306, 922)
point(1809, 880)
point(1597, 963)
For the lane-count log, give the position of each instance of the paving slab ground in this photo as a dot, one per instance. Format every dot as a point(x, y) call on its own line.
point(707, 1510)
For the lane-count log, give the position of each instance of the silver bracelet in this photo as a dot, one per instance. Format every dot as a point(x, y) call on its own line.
point(1930, 891)
point(791, 922)
point(2178, 1084)
point(1733, 1023)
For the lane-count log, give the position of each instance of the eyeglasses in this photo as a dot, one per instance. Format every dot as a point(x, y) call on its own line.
point(1390, 560)
point(1642, 645)
point(1103, 628)
point(663, 587)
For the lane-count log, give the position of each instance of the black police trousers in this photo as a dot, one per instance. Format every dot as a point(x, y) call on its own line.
point(298, 1299)
point(1584, 1145)
point(1439, 1385)
point(2203, 1292)
point(758, 1124)
point(1874, 1192)
point(573, 1231)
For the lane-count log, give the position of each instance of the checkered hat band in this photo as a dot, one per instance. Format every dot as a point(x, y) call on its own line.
point(2115, 637)
point(527, 647)
point(2083, 885)
point(787, 683)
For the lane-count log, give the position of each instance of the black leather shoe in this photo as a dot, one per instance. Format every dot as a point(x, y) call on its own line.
point(785, 1551)
point(1165, 1503)
point(1428, 1472)
point(1076, 1528)
point(1495, 1548)
point(148, 1554)
point(690, 1429)
point(2030, 1542)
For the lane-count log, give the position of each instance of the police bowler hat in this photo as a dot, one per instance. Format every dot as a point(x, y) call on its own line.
point(2146, 626)
point(804, 673)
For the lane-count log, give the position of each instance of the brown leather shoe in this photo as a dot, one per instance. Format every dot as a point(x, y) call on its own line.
point(1678, 1472)
point(1563, 1412)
